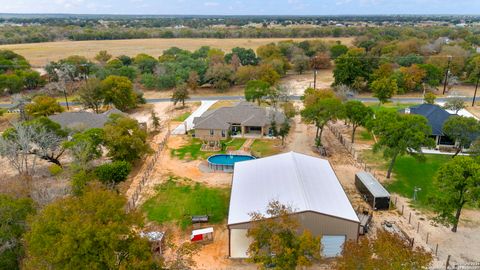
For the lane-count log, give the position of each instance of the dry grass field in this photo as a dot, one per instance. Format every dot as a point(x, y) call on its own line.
point(40, 54)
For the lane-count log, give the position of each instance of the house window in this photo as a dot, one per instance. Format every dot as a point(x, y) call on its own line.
point(223, 133)
point(212, 132)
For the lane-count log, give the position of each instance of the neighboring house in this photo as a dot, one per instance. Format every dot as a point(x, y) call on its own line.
point(243, 120)
point(436, 117)
point(83, 120)
point(306, 183)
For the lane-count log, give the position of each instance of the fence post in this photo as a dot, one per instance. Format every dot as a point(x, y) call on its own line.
point(418, 226)
point(402, 208)
point(436, 250)
point(396, 200)
point(409, 217)
point(428, 234)
point(447, 264)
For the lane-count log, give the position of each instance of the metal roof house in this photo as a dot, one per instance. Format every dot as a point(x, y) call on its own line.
point(82, 120)
point(372, 191)
point(436, 117)
point(307, 183)
point(245, 119)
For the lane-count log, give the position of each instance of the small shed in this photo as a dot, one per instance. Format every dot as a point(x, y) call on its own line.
point(372, 191)
point(155, 239)
point(202, 235)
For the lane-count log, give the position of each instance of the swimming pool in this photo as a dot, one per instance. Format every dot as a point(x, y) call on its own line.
point(225, 162)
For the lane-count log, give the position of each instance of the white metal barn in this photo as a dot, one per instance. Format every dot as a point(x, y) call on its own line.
point(307, 183)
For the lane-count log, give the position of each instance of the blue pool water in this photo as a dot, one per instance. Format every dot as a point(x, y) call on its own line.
point(228, 159)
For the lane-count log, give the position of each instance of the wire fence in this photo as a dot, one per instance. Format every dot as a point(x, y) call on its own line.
point(133, 201)
point(418, 224)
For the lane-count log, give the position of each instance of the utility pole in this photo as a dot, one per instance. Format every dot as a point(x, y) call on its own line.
point(446, 74)
point(476, 88)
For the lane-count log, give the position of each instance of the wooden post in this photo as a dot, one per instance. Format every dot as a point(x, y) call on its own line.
point(396, 200)
point(402, 209)
point(436, 250)
point(428, 234)
point(409, 217)
point(447, 264)
point(418, 226)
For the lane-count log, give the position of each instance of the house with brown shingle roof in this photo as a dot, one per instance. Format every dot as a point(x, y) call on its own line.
point(245, 120)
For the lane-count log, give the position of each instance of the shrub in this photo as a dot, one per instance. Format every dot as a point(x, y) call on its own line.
point(166, 81)
point(54, 169)
point(79, 181)
point(115, 172)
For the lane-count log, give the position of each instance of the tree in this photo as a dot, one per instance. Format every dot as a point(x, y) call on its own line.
point(338, 50)
point(300, 63)
point(320, 61)
point(289, 109)
point(16, 146)
point(192, 80)
point(351, 65)
point(10, 83)
point(124, 139)
point(86, 146)
point(246, 56)
point(433, 75)
point(91, 95)
point(102, 57)
point(256, 91)
point(277, 241)
point(114, 172)
point(357, 114)
point(463, 130)
point(455, 104)
point(145, 63)
point(180, 95)
point(412, 77)
point(43, 106)
point(401, 135)
point(155, 120)
point(429, 98)
point(386, 251)
point(284, 130)
point(267, 73)
point(235, 62)
point(118, 91)
point(14, 214)
point(384, 89)
point(92, 231)
point(220, 76)
point(457, 184)
point(320, 113)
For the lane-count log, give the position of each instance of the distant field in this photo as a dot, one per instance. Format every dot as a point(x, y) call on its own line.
point(40, 54)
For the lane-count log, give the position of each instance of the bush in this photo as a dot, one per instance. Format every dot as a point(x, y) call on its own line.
point(115, 172)
point(79, 181)
point(166, 81)
point(54, 169)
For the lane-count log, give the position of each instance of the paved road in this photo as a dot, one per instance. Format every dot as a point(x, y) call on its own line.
point(188, 123)
point(211, 98)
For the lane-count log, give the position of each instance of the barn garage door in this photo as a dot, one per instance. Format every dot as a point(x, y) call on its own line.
point(332, 245)
point(239, 243)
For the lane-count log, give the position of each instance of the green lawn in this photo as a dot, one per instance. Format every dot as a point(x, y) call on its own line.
point(191, 151)
point(389, 106)
point(410, 173)
point(182, 117)
point(265, 148)
point(178, 199)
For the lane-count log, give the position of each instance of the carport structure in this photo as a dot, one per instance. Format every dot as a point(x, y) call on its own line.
point(307, 183)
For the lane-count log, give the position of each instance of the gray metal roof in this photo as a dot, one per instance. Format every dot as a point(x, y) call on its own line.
point(244, 113)
point(304, 182)
point(372, 185)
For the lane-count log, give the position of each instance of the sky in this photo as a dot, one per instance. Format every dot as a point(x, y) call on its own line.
point(242, 7)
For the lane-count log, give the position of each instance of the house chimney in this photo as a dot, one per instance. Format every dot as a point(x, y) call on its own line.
point(407, 110)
